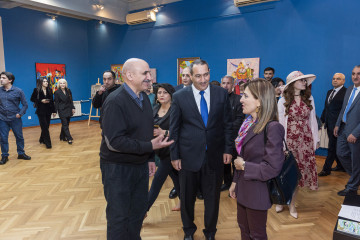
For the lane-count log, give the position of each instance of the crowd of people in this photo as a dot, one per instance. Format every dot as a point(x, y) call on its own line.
point(207, 139)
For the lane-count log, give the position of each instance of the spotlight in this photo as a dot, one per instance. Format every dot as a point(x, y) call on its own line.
point(99, 6)
point(53, 17)
point(100, 22)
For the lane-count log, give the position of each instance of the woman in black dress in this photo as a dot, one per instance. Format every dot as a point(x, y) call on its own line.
point(42, 97)
point(65, 107)
point(161, 113)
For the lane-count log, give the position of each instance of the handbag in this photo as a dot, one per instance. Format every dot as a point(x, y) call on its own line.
point(282, 187)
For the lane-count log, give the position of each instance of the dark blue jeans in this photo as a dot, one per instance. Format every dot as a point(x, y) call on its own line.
point(125, 190)
point(16, 126)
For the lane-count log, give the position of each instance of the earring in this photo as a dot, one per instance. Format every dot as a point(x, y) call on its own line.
point(257, 109)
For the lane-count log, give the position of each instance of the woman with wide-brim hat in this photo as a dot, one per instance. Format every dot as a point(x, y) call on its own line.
point(297, 115)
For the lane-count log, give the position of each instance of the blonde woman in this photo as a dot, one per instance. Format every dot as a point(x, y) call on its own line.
point(65, 107)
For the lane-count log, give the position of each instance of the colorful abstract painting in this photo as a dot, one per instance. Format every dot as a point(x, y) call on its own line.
point(117, 69)
point(182, 63)
point(243, 70)
point(52, 72)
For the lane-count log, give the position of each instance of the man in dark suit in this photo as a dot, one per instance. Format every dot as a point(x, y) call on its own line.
point(333, 103)
point(185, 78)
point(347, 129)
point(200, 125)
point(237, 117)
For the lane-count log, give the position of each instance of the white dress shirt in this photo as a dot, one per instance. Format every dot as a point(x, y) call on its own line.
point(336, 91)
point(198, 97)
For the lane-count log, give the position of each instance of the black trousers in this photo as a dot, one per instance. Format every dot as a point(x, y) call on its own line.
point(125, 190)
point(44, 121)
point(164, 169)
point(228, 174)
point(210, 183)
point(331, 151)
point(65, 132)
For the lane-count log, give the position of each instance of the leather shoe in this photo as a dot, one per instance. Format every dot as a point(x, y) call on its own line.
point(200, 196)
point(323, 173)
point(347, 192)
point(188, 237)
point(24, 157)
point(173, 194)
point(338, 169)
point(4, 159)
point(224, 187)
point(210, 238)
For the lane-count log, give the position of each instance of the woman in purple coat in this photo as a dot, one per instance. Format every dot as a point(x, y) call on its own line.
point(257, 161)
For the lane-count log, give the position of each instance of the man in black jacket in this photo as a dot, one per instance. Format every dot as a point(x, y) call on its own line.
point(108, 87)
point(200, 124)
point(126, 152)
point(237, 118)
point(333, 103)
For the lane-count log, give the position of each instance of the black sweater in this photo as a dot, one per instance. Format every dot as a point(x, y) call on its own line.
point(127, 129)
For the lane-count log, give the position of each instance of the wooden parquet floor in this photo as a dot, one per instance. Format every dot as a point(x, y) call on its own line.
point(58, 194)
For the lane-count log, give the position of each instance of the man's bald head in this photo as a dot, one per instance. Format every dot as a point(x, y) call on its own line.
point(136, 74)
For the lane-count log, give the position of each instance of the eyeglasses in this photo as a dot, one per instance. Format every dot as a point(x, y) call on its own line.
point(303, 80)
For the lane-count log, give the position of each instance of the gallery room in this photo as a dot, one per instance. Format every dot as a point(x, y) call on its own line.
point(59, 192)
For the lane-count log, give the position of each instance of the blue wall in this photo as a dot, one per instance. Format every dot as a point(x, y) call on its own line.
point(31, 36)
point(313, 36)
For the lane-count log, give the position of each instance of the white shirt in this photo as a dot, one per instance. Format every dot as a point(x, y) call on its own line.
point(198, 97)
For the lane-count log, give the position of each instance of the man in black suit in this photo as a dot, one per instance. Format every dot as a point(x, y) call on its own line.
point(186, 79)
point(200, 125)
point(333, 103)
point(237, 117)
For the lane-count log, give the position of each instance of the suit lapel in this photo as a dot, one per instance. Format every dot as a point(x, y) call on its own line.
point(192, 104)
point(249, 136)
point(355, 100)
point(212, 102)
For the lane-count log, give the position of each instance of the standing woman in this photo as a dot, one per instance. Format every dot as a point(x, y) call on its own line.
point(161, 113)
point(297, 115)
point(259, 160)
point(65, 107)
point(42, 97)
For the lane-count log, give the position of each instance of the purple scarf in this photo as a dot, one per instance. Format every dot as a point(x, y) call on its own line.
point(249, 121)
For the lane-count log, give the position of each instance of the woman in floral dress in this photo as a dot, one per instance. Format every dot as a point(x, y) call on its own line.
point(297, 115)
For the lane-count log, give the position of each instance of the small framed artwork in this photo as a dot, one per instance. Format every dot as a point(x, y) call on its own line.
point(182, 63)
point(117, 69)
point(52, 72)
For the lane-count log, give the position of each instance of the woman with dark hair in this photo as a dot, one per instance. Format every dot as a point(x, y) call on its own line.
point(278, 84)
point(42, 97)
point(260, 158)
point(65, 107)
point(161, 113)
point(297, 115)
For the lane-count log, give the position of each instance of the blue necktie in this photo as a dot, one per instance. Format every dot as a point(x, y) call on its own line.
point(349, 103)
point(203, 108)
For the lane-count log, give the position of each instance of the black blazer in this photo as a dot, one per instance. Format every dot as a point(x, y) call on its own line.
point(331, 111)
point(164, 123)
point(43, 108)
point(192, 138)
point(237, 116)
point(64, 103)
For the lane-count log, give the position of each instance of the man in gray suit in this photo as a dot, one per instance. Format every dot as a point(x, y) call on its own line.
point(347, 129)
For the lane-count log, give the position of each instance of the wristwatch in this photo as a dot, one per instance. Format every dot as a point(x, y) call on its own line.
point(243, 165)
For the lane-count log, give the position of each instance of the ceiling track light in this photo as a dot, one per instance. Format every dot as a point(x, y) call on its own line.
point(53, 17)
point(99, 6)
point(157, 8)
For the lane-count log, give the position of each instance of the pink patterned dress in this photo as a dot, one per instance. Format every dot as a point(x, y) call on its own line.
point(300, 142)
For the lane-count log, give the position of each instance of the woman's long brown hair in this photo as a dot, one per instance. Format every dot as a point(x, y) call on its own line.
point(289, 95)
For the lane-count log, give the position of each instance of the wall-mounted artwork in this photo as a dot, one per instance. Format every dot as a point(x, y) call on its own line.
point(94, 89)
point(117, 69)
point(52, 72)
point(181, 64)
point(243, 70)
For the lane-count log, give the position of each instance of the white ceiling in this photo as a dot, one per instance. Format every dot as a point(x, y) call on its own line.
point(114, 11)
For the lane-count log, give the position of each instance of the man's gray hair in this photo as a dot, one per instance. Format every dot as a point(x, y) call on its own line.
point(229, 77)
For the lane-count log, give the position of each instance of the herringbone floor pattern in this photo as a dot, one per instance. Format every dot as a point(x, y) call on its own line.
point(58, 195)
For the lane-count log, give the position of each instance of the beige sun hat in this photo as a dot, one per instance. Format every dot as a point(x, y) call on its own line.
point(297, 75)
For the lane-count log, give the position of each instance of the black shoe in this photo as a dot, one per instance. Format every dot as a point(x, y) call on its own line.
point(41, 141)
point(188, 237)
point(323, 173)
point(173, 194)
point(224, 187)
point(210, 238)
point(200, 196)
point(70, 142)
point(4, 159)
point(24, 157)
point(48, 146)
point(338, 169)
point(347, 192)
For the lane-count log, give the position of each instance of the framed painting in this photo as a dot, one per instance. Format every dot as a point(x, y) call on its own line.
point(243, 70)
point(181, 64)
point(153, 75)
point(117, 69)
point(52, 72)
